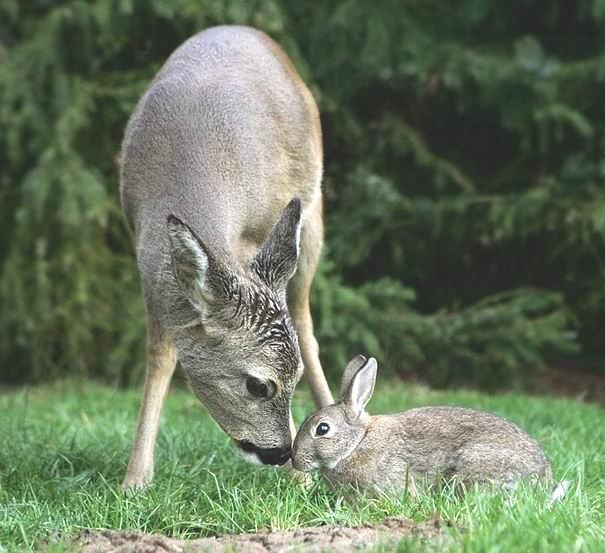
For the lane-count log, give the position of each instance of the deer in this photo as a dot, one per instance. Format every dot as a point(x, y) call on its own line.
point(220, 184)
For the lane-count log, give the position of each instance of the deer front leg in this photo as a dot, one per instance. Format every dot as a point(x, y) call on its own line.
point(310, 355)
point(298, 300)
point(161, 362)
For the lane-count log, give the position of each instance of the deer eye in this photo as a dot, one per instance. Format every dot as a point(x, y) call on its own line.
point(322, 429)
point(258, 388)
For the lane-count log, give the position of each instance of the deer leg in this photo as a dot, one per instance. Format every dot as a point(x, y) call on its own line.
point(311, 239)
point(161, 362)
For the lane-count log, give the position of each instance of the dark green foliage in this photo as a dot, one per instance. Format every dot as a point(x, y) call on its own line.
point(465, 174)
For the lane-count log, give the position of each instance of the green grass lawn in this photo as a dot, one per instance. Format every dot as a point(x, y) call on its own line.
point(64, 449)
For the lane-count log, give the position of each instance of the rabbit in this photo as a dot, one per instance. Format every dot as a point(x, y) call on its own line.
point(423, 446)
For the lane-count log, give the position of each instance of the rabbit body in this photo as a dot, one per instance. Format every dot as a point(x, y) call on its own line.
point(424, 445)
point(439, 443)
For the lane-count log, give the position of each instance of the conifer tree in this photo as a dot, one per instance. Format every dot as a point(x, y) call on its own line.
point(464, 179)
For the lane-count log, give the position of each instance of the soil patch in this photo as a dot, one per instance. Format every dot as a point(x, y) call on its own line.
point(310, 540)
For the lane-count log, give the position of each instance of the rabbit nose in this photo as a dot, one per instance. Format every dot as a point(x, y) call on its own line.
point(267, 456)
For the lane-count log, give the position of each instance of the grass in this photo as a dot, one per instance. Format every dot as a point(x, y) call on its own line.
point(64, 449)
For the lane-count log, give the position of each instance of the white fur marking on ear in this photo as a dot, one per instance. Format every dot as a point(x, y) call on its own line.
point(356, 400)
point(298, 231)
point(191, 244)
point(185, 243)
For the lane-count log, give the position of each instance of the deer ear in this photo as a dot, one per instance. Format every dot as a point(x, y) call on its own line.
point(276, 261)
point(360, 389)
point(191, 263)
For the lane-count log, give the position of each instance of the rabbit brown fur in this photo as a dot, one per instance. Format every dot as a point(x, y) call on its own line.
point(428, 444)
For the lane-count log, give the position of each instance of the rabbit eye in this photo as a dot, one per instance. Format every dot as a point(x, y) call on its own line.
point(322, 429)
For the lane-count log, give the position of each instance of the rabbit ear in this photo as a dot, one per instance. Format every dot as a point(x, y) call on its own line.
point(360, 389)
point(352, 367)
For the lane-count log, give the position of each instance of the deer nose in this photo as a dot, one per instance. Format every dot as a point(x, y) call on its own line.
point(267, 456)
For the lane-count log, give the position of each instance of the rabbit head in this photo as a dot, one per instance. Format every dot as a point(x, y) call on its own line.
point(331, 434)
